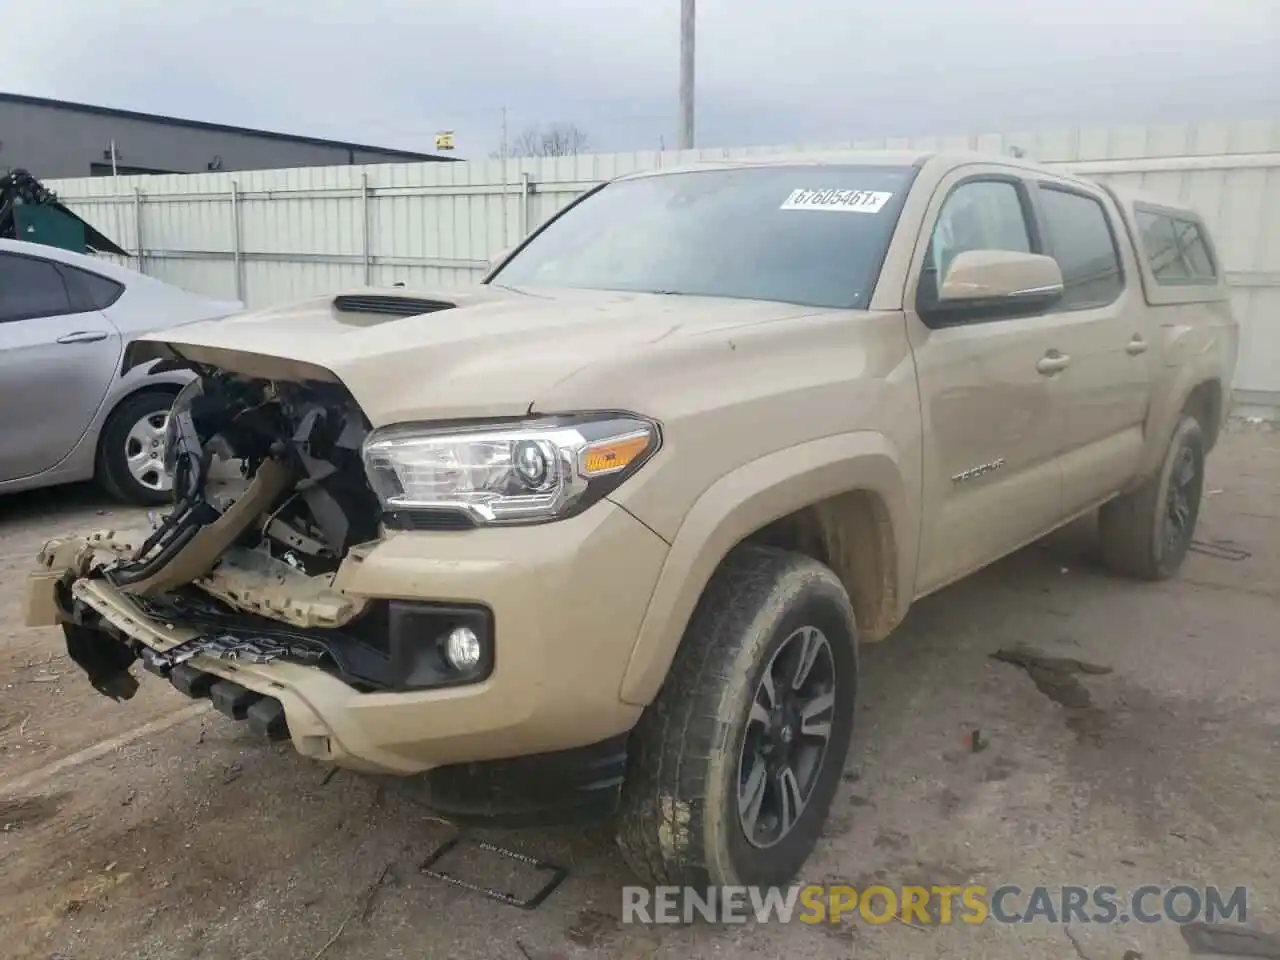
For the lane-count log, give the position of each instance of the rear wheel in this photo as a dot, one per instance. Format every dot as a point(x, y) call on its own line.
point(1146, 533)
point(131, 450)
point(735, 764)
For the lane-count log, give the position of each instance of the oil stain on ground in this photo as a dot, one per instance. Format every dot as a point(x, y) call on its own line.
point(1058, 678)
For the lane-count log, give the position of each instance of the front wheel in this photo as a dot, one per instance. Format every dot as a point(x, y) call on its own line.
point(1146, 533)
point(735, 764)
point(131, 450)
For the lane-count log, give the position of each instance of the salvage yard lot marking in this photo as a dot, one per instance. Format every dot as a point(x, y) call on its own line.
point(99, 750)
point(840, 201)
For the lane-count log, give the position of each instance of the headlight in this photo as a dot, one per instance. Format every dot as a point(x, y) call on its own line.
point(526, 472)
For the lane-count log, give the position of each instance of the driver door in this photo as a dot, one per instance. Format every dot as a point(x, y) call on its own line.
point(993, 424)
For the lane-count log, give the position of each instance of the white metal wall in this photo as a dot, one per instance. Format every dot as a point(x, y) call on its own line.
point(276, 235)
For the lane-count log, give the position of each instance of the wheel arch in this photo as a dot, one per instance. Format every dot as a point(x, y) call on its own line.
point(827, 498)
point(1195, 392)
point(852, 533)
point(1204, 403)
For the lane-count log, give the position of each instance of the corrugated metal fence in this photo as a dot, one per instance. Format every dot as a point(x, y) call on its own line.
point(276, 235)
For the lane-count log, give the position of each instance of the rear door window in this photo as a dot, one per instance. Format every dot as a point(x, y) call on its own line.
point(89, 291)
point(1079, 237)
point(31, 288)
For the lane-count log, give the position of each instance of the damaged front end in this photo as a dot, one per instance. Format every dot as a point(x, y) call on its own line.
point(251, 575)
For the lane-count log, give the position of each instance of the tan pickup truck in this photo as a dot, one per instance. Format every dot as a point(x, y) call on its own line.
point(601, 535)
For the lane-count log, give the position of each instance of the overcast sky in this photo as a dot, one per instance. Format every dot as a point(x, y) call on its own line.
point(393, 72)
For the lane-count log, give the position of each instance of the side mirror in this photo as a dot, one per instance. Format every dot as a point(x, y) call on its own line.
point(1000, 280)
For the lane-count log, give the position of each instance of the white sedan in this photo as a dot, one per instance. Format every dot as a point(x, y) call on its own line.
point(67, 413)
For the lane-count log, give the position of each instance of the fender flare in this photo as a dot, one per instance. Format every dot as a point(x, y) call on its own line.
point(742, 502)
point(1181, 383)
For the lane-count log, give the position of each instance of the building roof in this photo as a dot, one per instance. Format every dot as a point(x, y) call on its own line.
point(215, 127)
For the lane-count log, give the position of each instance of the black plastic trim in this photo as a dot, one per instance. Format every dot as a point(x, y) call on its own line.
point(233, 700)
point(430, 519)
point(266, 718)
point(191, 682)
point(371, 654)
point(545, 789)
point(417, 661)
point(389, 305)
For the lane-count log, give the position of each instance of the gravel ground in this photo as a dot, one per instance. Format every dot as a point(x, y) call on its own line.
point(157, 829)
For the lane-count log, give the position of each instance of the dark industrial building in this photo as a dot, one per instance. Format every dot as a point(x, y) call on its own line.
point(54, 139)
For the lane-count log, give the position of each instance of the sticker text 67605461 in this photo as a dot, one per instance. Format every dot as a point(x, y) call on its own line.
point(842, 201)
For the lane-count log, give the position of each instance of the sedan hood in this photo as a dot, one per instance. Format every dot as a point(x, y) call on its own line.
point(486, 351)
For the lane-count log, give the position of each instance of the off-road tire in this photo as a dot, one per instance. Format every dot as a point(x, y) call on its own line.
point(678, 821)
point(1132, 528)
point(112, 471)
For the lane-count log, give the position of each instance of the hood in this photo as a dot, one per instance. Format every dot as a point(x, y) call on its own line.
point(486, 351)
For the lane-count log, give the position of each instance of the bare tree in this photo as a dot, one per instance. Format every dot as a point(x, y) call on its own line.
point(553, 140)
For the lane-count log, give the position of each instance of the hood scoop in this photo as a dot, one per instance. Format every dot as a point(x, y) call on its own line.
point(388, 305)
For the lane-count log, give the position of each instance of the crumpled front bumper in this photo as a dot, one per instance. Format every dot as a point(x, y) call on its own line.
point(566, 600)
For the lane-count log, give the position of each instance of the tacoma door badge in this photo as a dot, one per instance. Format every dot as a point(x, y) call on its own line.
point(973, 473)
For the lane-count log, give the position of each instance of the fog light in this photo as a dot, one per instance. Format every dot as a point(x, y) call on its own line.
point(462, 648)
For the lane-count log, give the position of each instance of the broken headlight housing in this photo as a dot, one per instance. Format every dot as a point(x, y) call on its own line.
point(503, 473)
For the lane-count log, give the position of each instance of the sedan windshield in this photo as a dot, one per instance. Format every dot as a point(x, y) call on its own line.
point(808, 234)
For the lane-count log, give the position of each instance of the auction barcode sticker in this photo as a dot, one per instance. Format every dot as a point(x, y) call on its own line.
point(844, 201)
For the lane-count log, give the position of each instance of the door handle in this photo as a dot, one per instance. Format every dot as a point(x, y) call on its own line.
point(1136, 346)
point(84, 336)
point(1052, 362)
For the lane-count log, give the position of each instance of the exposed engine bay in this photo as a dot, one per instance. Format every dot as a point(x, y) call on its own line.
point(300, 448)
point(249, 575)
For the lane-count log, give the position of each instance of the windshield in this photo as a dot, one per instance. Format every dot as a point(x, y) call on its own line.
point(808, 234)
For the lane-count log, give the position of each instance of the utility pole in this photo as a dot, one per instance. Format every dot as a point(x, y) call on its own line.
point(686, 74)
